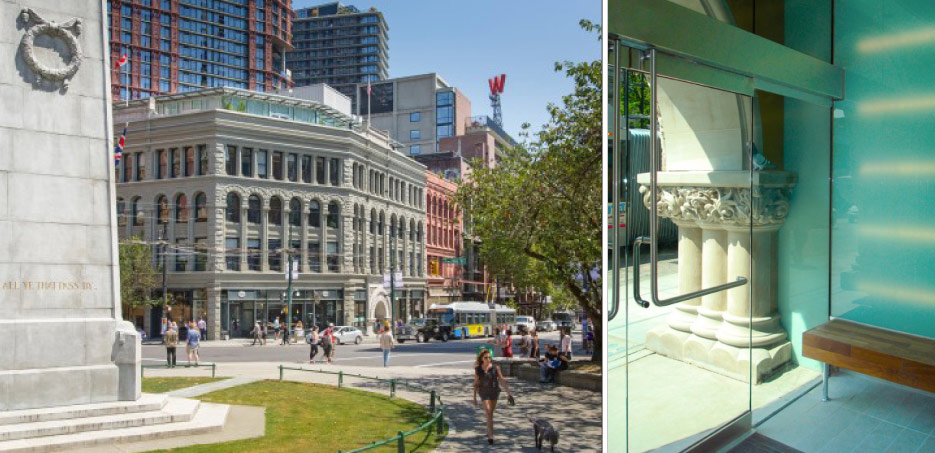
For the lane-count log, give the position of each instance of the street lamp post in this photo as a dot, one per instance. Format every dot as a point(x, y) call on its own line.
point(164, 246)
point(392, 280)
point(289, 254)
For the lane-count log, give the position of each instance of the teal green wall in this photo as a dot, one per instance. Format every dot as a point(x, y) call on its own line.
point(883, 268)
point(803, 240)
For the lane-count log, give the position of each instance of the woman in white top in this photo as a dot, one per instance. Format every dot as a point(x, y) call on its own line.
point(566, 343)
point(386, 344)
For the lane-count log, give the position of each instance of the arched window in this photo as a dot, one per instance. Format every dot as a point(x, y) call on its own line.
point(373, 221)
point(333, 214)
point(393, 226)
point(412, 230)
point(201, 207)
point(419, 234)
point(135, 212)
point(295, 212)
point(381, 223)
point(254, 209)
point(162, 209)
point(402, 228)
point(275, 211)
point(314, 214)
point(121, 214)
point(233, 208)
point(181, 208)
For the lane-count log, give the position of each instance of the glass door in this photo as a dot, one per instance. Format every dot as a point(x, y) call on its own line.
point(685, 210)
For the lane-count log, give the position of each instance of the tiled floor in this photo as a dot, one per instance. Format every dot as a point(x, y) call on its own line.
point(864, 415)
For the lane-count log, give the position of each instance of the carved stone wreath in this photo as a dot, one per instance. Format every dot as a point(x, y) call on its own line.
point(729, 206)
point(68, 32)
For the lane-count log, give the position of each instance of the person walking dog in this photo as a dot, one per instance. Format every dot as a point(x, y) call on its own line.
point(487, 382)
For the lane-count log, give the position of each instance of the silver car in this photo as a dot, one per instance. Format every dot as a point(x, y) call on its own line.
point(347, 334)
point(545, 325)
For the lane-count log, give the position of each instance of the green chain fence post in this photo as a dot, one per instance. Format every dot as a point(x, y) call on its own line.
point(441, 421)
point(213, 369)
point(340, 379)
point(280, 373)
point(392, 388)
point(401, 445)
point(432, 402)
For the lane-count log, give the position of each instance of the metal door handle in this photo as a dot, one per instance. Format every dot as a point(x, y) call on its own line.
point(654, 219)
point(672, 300)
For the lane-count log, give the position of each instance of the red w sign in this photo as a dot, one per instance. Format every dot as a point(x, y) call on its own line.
point(496, 84)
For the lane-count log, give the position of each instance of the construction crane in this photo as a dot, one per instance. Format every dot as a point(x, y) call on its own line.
point(496, 89)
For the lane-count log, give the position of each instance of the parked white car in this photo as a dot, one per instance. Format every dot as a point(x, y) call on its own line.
point(545, 325)
point(525, 322)
point(347, 334)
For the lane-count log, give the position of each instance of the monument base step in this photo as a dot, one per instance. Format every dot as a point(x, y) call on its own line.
point(176, 417)
point(148, 402)
point(718, 357)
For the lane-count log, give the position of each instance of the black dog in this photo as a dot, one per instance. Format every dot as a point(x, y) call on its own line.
point(545, 432)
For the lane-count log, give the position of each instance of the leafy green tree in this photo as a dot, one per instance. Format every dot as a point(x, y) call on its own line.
point(538, 212)
point(139, 279)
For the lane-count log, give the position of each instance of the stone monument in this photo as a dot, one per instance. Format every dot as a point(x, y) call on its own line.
point(70, 367)
point(59, 287)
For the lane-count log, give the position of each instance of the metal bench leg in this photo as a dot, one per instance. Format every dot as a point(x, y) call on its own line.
point(825, 370)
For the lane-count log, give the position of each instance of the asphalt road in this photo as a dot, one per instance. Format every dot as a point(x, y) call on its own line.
point(453, 354)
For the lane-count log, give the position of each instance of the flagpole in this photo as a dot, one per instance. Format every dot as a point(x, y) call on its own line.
point(126, 72)
point(369, 90)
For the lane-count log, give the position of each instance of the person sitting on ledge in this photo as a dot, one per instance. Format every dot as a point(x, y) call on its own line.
point(551, 364)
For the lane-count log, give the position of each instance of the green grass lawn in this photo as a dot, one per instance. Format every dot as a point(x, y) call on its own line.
point(310, 417)
point(168, 384)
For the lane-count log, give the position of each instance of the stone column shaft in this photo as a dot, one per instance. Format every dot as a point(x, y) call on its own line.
point(689, 266)
point(713, 273)
point(758, 314)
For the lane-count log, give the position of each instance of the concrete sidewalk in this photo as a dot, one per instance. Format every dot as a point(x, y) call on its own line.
point(575, 413)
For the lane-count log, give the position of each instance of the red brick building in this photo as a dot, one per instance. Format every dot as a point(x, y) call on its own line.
point(185, 45)
point(443, 240)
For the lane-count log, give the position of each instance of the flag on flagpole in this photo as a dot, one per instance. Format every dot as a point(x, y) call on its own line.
point(122, 61)
point(118, 150)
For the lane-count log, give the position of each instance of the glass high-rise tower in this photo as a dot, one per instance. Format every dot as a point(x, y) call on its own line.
point(339, 45)
point(185, 45)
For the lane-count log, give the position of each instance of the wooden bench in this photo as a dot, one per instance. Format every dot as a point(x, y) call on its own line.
point(897, 357)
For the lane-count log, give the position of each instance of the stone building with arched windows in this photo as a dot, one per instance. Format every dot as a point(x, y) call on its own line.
point(234, 183)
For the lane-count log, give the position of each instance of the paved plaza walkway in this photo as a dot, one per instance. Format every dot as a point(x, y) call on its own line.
point(576, 413)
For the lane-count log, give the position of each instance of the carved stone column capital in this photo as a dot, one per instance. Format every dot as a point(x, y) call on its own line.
point(763, 208)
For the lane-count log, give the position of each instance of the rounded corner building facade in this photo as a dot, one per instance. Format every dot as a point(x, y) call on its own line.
point(235, 183)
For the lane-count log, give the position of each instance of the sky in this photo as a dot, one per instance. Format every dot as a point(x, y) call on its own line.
point(467, 42)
